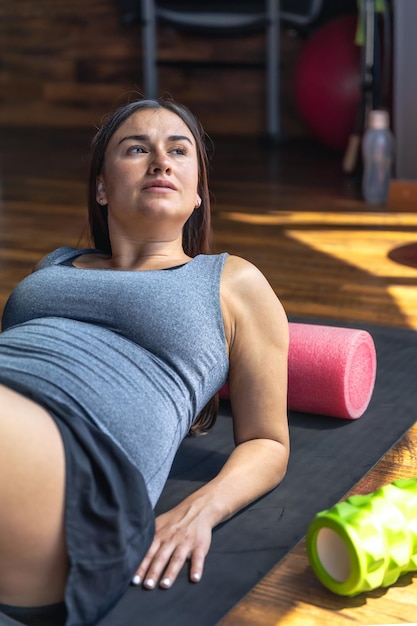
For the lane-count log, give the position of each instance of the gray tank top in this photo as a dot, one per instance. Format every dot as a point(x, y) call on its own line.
point(138, 353)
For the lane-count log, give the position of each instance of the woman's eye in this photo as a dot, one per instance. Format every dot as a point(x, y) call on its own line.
point(135, 150)
point(179, 151)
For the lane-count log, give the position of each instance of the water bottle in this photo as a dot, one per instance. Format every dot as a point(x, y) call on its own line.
point(378, 153)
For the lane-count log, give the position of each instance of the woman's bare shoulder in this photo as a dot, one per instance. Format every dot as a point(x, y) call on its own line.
point(237, 268)
point(241, 278)
point(249, 303)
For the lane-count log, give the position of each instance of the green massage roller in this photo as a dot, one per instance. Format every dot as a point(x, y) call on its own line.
point(367, 541)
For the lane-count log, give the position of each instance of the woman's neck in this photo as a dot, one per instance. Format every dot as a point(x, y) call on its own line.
point(129, 255)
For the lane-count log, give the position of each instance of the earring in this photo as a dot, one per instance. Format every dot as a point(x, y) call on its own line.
point(101, 201)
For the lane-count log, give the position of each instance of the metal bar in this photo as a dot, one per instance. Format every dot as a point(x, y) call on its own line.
point(273, 113)
point(150, 75)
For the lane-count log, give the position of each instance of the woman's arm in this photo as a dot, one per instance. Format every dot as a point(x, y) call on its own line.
point(257, 334)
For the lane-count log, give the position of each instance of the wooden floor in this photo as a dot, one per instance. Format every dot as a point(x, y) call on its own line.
point(289, 210)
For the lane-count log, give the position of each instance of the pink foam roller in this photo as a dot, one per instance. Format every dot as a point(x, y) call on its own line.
point(331, 370)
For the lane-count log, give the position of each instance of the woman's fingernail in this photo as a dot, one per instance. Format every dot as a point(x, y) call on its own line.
point(136, 580)
point(165, 582)
point(195, 577)
point(150, 583)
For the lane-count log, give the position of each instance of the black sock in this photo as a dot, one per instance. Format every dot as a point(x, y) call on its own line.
point(49, 615)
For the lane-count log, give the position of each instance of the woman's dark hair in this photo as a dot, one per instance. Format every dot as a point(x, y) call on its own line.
point(197, 229)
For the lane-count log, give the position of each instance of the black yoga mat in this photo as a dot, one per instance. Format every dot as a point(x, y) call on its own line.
point(328, 457)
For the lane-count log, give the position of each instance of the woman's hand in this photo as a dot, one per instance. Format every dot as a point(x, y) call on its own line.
point(180, 534)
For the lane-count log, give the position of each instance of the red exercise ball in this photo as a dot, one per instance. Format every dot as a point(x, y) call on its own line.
point(327, 82)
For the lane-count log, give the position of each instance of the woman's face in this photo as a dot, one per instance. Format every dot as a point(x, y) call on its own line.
point(150, 170)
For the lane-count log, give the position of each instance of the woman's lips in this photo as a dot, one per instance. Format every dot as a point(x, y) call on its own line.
point(159, 185)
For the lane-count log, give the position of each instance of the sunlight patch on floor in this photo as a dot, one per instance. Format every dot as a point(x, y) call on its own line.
point(325, 219)
point(366, 250)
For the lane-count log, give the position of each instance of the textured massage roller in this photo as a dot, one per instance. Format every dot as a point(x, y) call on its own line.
point(331, 370)
point(367, 541)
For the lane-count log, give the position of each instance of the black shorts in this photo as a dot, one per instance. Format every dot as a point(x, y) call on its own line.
point(109, 520)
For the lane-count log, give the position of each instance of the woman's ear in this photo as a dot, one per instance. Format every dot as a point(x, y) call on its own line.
point(101, 191)
point(197, 202)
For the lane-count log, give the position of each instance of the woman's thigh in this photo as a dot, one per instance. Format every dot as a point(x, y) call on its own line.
point(33, 556)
